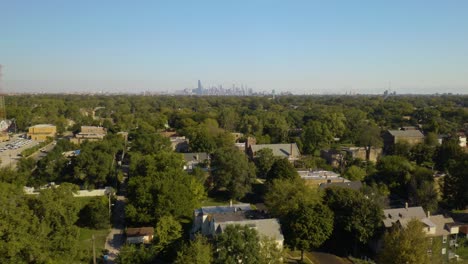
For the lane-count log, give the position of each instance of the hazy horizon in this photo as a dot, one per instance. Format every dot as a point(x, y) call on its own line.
point(305, 47)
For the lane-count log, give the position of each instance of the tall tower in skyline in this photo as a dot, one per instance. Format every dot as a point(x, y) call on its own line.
point(2, 98)
point(200, 87)
point(4, 123)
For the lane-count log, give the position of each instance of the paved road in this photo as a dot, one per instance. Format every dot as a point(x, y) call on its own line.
point(116, 238)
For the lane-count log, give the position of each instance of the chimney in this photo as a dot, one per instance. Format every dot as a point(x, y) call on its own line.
point(428, 214)
point(230, 203)
point(291, 151)
point(406, 205)
point(196, 157)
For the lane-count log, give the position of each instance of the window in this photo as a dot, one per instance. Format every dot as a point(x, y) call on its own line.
point(444, 250)
point(444, 239)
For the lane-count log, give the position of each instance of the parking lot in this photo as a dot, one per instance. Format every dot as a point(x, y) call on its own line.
point(10, 151)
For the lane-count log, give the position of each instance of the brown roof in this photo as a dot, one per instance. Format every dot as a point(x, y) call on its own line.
point(140, 231)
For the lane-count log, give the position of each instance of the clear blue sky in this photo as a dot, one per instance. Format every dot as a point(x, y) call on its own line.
point(300, 46)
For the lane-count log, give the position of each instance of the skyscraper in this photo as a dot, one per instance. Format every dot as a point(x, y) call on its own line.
point(199, 89)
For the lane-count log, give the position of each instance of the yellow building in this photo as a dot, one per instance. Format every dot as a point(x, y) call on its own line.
point(4, 137)
point(42, 132)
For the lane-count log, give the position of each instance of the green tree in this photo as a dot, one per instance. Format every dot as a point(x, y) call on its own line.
point(447, 153)
point(232, 170)
point(282, 169)
point(316, 136)
point(408, 245)
point(285, 195)
point(155, 195)
point(197, 251)
point(308, 227)
point(168, 230)
point(96, 213)
point(57, 219)
point(264, 159)
point(402, 148)
point(22, 240)
point(455, 186)
point(356, 218)
point(377, 192)
point(423, 154)
point(131, 254)
point(276, 127)
point(270, 252)
point(421, 189)
point(149, 143)
point(369, 136)
point(395, 171)
point(355, 173)
point(238, 244)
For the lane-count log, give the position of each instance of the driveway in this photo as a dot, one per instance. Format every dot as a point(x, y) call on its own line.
point(116, 237)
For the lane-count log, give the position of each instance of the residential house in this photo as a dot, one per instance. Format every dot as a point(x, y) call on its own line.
point(212, 220)
point(336, 158)
point(270, 228)
point(193, 159)
point(179, 144)
point(140, 235)
point(409, 136)
point(206, 217)
point(435, 226)
point(333, 157)
point(464, 231)
point(42, 132)
point(288, 151)
point(361, 153)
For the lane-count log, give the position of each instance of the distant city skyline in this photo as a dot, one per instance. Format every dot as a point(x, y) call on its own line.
point(304, 47)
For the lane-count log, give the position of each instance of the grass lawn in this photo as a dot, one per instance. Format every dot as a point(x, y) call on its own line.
point(462, 251)
point(85, 246)
point(314, 258)
point(86, 242)
point(212, 201)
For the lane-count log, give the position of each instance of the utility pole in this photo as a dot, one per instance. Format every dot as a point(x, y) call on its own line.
point(110, 213)
point(94, 250)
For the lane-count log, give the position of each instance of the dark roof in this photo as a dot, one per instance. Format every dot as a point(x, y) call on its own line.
point(228, 217)
point(354, 185)
point(223, 209)
point(140, 231)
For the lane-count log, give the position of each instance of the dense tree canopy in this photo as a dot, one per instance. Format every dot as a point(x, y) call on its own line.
point(307, 227)
point(356, 218)
point(233, 171)
point(408, 245)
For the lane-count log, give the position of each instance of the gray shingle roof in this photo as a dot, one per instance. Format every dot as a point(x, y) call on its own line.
point(403, 215)
point(406, 133)
point(279, 150)
point(197, 156)
point(267, 227)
